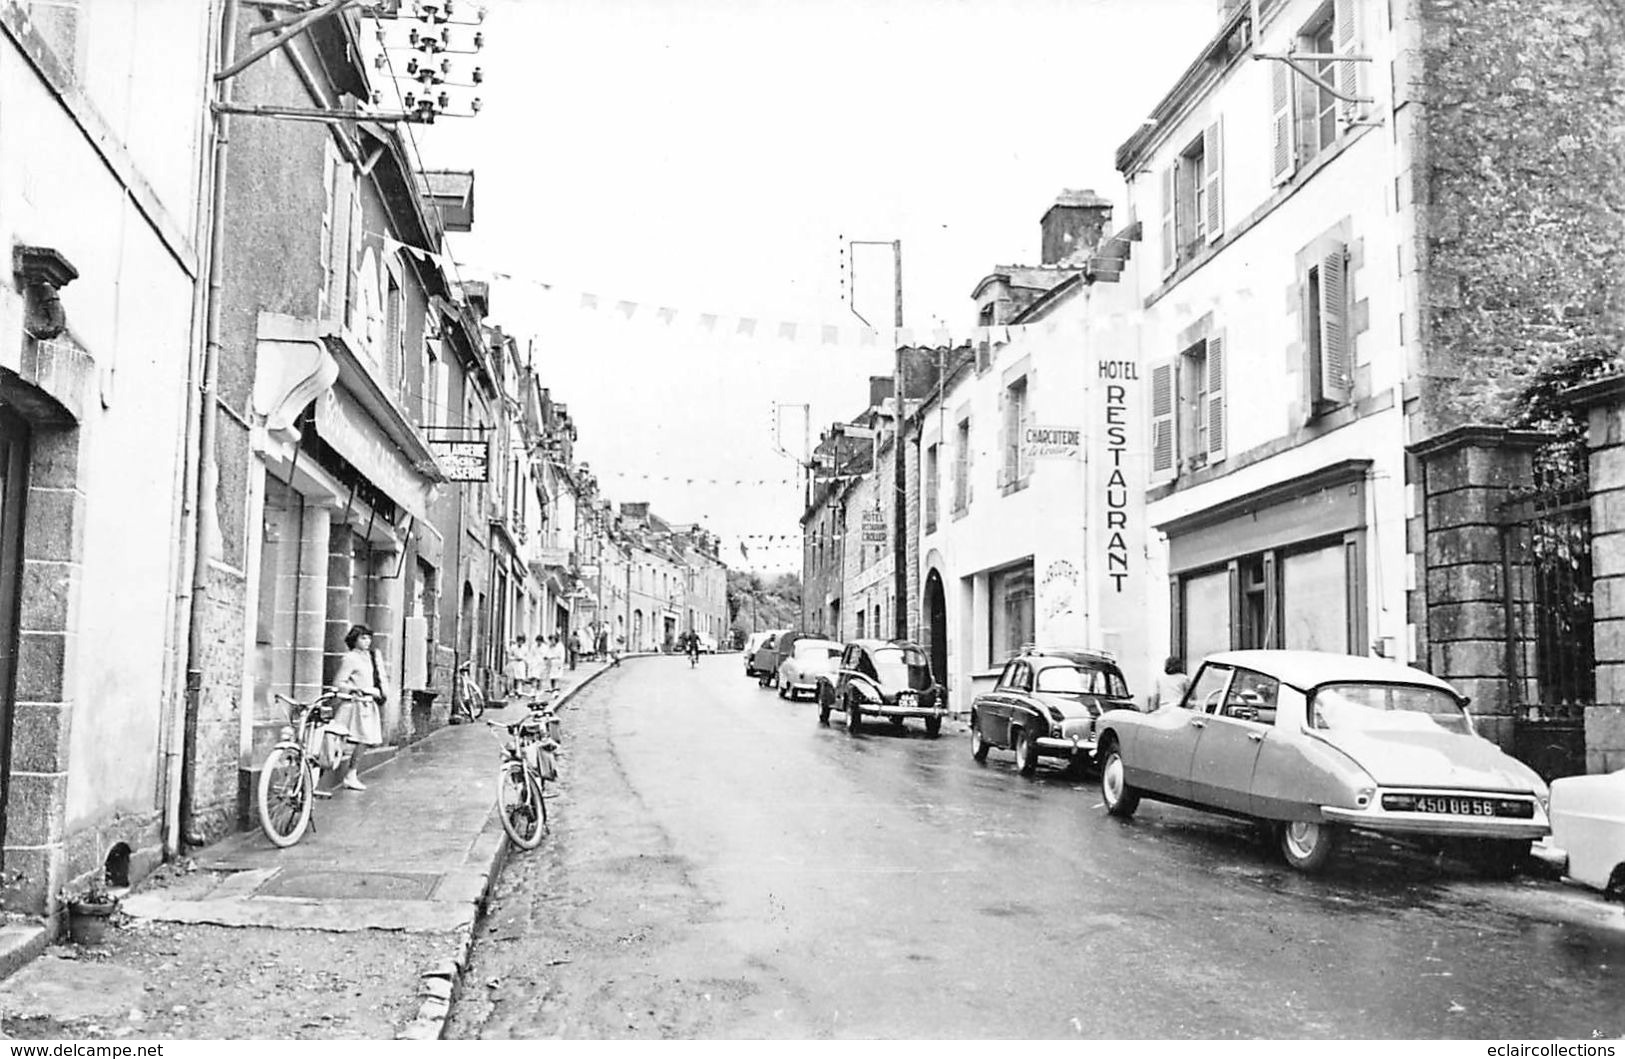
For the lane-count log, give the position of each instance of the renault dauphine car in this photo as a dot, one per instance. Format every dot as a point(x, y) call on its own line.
point(809, 659)
point(888, 679)
point(1313, 744)
point(1046, 704)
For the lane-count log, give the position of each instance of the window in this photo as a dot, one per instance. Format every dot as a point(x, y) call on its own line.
point(861, 614)
point(962, 466)
point(1321, 130)
point(931, 487)
point(1306, 118)
point(1010, 598)
point(395, 323)
point(1192, 199)
point(1330, 367)
point(431, 388)
point(1303, 597)
point(1252, 697)
point(1205, 612)
point(1208, 691)
point(1014, 471)
point(1189, 423)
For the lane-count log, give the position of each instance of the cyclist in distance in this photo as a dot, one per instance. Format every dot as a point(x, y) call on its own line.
point(691, 644)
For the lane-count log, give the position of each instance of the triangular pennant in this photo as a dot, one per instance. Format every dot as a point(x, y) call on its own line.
point(747, 326)
point(589, 301)
point(867, 336)
point(787, 331)
point(626, 309)
point(940, 337)
point(905, 336)
point(666, 315)
point(831, 335)
point(708, 321)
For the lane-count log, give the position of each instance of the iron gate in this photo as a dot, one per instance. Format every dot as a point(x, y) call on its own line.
point(1546, 580)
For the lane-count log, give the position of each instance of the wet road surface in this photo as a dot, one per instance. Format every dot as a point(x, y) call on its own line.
point(722, 866)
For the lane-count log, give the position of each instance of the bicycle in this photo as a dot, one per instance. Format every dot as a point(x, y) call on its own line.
point(468, 701)
point(526, 767)
point(287, 787)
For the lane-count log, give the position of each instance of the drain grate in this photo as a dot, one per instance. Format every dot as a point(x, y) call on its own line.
point(351, 885)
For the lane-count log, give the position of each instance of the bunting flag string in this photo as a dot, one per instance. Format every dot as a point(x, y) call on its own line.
point(819, 479)
point(822, 333)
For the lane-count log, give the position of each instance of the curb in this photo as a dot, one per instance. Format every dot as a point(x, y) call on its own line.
point(439, 985)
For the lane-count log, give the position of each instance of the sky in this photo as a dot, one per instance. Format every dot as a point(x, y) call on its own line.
point(712, 158)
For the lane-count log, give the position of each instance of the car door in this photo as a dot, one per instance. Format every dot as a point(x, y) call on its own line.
point(992, 711)
point(1228, 745)
point(1020, 705)
point(843, 676)
point(1166, 742)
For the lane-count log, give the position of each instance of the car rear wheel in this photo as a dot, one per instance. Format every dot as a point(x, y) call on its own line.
point(782, 695)
point(854, 720)
point(826, 698)
point(933, 727)
point(1120, 797)
point(1306, 845)
point(1026, 753)
point(978, 744)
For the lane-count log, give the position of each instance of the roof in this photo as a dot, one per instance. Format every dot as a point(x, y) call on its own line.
point(1305, 670)
point(1069, 655)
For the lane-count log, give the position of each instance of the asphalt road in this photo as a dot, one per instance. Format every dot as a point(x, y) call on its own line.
point(722, 866)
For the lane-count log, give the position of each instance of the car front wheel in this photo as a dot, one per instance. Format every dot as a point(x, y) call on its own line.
point(853, 718)
point(978, 744)
point(1026, 753)
point(1120, 797)
point(1306, 845)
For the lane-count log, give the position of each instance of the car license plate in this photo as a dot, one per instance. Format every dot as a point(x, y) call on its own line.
point(1458, 806)
point(908, 700)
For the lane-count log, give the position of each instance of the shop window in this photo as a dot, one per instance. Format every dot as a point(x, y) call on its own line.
point(1305, 597)
point(1205, 608)
point(1315, 600)
point(1010, 598)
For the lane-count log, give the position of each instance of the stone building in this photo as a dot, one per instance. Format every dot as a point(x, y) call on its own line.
point(1397, 261)
point(104, 157)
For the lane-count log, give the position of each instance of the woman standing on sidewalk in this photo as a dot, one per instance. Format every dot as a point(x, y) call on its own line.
point(359, 715)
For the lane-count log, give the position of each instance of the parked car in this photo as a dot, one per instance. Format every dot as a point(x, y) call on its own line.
point(1314, 743)
point(1588, 825)
point(809, 659)
point(708, 643)
point(752, 645)
point(1046, 704)
point(771, 653)
point(883, 678)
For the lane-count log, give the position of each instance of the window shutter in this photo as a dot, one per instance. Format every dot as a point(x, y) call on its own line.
point(1163, 449)
point(1169, 260)
point(1336, 356)
point(353, 306)
point(1216, 422)
point(1282, 123)
point(1349, 80)
point(1214, 176)
point(330, 161)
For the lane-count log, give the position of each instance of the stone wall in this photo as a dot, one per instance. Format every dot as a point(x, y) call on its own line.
point(213, 781)
point(1512, 112)
point(1605, 720)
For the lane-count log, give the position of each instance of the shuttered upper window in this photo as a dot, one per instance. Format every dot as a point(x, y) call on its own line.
point(1193, 199)
point(1189, 411)
point(1327, 337)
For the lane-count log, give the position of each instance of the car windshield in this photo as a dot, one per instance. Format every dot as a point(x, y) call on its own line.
point(902, 667)
point(1386, 708)
point(1082, 680)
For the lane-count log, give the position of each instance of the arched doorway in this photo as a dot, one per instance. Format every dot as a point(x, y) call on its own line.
point(936, 626)
point(14, 442)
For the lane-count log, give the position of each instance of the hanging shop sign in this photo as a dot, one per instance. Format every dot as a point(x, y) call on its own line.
point(874, 527)
point(463, 460)
point(1060, 443)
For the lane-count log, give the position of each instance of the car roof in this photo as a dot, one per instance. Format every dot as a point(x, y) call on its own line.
point(870, 645)
point(1067, 656)
point(815, 641)
point(1305, 670)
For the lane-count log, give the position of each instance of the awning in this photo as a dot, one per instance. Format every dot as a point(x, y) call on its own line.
point(352, 435)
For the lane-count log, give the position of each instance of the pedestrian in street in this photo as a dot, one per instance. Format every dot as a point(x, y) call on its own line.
point(517, 667)
point(541, 663)
point(555, 662)
point(615, 655)
point(603, 643)
point(574, 648)
point(1171, 685)
point(359, 714)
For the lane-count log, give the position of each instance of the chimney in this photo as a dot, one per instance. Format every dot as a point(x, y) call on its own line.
point(879, 389)
point(1074, 226)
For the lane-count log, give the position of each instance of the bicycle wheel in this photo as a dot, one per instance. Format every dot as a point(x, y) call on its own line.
point(475, 701)
point(285, 795)
point(519, 805)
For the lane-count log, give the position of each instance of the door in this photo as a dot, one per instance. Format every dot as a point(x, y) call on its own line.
point(993, 709)
point(13, 495)
point(1166, 744)
point(1227, 750)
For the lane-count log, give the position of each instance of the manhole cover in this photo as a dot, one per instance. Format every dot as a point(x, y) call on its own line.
point(351, 885)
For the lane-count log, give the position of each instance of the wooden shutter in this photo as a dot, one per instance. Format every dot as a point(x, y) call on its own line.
point(1283, 124)
point(1346, 36)
point(1214, 177)
point(1003, 462)
point(1336, 353)
point(1164, 449)
point(354, 308)
point(330, 161)
point(1169, 186)
point(1215, 411)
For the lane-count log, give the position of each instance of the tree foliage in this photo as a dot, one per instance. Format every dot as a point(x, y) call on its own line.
point(756, 603)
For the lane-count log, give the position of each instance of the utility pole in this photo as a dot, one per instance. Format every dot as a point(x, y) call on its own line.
point(899, 486)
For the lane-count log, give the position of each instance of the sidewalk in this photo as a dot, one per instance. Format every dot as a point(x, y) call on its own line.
point(414, 854)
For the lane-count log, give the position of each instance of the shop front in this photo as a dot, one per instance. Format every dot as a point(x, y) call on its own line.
point(1283, 567)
